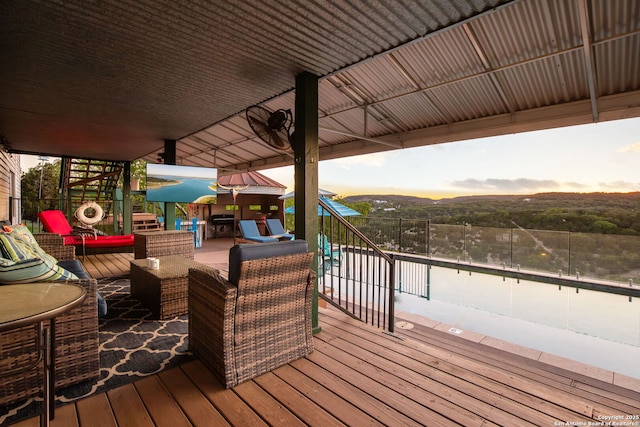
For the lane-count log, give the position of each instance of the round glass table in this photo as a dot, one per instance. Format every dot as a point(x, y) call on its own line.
point(39, 303)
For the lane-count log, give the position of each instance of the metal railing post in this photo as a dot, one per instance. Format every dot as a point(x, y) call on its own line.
point(391, 313)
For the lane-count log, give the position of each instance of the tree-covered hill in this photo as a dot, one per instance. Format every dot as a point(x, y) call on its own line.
point(611, 213)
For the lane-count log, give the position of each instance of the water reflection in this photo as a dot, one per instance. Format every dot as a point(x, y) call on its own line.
point(591, 327)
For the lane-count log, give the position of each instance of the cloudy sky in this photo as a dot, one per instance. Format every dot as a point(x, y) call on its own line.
point(596, 157)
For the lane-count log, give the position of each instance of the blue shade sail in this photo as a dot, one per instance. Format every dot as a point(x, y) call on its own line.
point(341, 209)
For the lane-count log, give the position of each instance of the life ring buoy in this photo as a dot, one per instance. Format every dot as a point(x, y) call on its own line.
point(97, 216)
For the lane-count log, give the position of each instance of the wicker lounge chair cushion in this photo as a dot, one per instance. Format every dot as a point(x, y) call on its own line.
point(246, 252)
point(276, 229)
point(23, 263)
point(54, 221)
point(250, 231)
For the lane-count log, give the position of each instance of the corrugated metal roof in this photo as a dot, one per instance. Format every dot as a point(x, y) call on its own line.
point(113, 79)
point(528, 57)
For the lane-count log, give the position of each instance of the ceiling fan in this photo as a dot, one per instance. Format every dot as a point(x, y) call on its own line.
point(274, 128)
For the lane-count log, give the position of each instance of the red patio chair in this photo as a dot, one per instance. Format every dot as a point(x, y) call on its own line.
point(54, 221)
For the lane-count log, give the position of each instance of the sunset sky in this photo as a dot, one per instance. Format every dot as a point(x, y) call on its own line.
point(596, 157)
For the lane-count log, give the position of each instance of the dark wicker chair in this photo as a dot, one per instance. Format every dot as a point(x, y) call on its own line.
point(240, 332)
point(77, 358)
point(77, 343)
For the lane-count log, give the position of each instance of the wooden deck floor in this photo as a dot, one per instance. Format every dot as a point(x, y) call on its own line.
point(107, 265)
point(359, 375)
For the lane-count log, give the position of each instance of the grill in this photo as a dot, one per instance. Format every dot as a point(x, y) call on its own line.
point(222, 225)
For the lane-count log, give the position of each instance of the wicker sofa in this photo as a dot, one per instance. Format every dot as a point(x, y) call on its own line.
point(258, 320)
point(77, 343)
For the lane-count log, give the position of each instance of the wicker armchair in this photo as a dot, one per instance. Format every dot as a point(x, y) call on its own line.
point(53, 244)
point(77, 356)
point(240, 332)
point(77, 343)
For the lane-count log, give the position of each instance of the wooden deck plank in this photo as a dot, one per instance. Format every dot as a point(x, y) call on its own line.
point(346, 411)
point(65, 416)
point(89, 264)
point(585, 407)
point(107, 265)
point(96, 267)
point(464, 380)
point(296, 402)
point(193, 403)
point(164, 410)
point(623, 400)
point(266, 406)
point(382, 385)
point(35, 422)
point(424, 407)
point(605, 397)
point(95, 411)
point(234, 410)
point(495, 403)
point(120, 262)
point(360, 398)
point(128, 407)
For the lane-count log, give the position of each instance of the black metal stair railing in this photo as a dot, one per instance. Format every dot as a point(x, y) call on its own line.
point(354, 274)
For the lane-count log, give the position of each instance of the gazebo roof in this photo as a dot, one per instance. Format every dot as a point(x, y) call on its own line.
point(251, 183)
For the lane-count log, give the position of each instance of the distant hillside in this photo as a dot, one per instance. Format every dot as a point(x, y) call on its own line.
point(387, 198)
point(614, 213)
point(540, 197)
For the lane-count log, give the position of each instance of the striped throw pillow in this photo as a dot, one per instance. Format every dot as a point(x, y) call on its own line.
point(32, 270)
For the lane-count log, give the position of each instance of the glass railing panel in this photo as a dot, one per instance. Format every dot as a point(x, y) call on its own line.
point(447, 241)
point(605, 256)
point(544, 251)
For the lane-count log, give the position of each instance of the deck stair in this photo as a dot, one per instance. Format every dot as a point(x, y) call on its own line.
point(90, 180)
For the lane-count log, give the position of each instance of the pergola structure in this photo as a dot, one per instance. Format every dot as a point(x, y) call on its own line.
point(118, 80)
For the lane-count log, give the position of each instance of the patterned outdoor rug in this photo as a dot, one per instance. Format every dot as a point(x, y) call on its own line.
point(132, 346)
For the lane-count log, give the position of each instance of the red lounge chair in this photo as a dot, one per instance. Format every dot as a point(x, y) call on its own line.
point(54, 221)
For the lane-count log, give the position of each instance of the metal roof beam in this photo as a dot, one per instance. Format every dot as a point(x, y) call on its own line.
point(364, 138)
point(487, 65)
point(587, 50)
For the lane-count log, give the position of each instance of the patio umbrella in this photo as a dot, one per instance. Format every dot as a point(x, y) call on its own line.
point(338, 207)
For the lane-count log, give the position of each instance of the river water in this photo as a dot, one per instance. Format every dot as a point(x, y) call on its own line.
point(595, 328)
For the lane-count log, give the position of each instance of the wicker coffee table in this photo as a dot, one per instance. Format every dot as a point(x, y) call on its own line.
point(163, 243)
point(163, 291)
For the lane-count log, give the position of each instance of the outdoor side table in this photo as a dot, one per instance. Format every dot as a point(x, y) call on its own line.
point(164, 291)
point(39, 303)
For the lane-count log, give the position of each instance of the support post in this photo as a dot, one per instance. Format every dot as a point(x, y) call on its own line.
point(305, 148)
point(127, 222)
point(170, 208)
